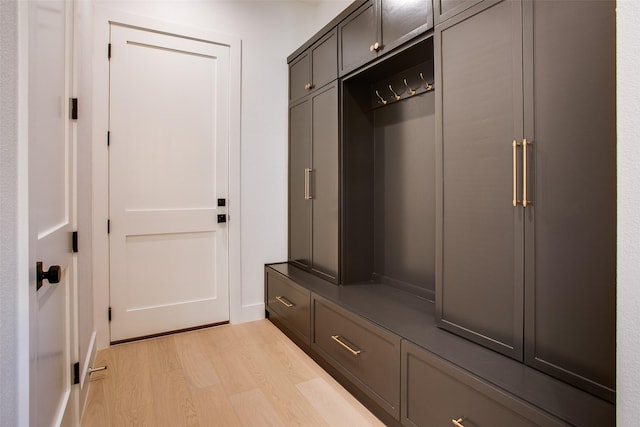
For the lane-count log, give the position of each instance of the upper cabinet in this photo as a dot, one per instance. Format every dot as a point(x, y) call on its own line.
point(314, 68)
point(377, 27)
point(445, 9)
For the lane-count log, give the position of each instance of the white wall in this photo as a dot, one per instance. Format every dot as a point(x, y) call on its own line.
point(8, 212)
point(14, 217)
point(628, 93)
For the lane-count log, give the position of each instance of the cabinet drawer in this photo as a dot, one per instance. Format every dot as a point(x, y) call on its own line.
point(368, 355)
point(436, 392)
point(290, 303)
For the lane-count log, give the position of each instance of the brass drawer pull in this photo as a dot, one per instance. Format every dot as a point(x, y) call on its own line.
point(457, 423)
point(337, 338)
point(284, 302)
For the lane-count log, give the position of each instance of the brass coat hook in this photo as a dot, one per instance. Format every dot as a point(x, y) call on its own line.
point(411, 91)
point(382, 100)
point(395, 95)
point(428, 86)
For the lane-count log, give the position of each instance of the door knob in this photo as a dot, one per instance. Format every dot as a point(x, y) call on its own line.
point(53, 275)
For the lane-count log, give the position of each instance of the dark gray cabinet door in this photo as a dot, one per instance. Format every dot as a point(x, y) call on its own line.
point(313, 182)
point(357, 34)
point(299, 172)
point(324, 60)
point(480, 249)
point(403, 20)
point(299, 76)
point(445, 9)
point(571, 226)
point(324, 181)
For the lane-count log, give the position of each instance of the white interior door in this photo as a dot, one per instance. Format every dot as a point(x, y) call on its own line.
point(52, 213)
point(168, 167)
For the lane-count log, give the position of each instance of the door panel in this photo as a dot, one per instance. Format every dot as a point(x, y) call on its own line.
point(168, 166)
point(480, 280)
point(299, 77)
point(325, 182)
point(299, 162)
point(571, 252)
point(52, 211)
point(401, 20)
point(356, 34)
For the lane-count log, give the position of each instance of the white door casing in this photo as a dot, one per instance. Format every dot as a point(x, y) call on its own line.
point(52, 211)
point(168, 166)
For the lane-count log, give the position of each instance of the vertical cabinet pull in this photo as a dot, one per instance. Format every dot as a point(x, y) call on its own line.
point(525, 200)
point(525, 172)
point(515, 146)
point(457, 423)
point(338, 339)
point(307, 184)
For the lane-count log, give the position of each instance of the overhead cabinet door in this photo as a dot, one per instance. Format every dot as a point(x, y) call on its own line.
point(378, 27)
point(479, 268)
point(315, 67)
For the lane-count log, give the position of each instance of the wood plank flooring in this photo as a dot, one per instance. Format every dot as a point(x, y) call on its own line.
point(235, 375)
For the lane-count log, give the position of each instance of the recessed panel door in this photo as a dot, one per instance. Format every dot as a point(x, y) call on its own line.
point(168, 171)
point(52, 213)
point(480, 255)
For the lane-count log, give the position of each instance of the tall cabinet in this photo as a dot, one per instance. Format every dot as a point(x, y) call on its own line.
point(526, 198)
point(313, 160)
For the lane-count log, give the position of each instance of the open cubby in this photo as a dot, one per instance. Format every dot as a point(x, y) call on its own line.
point(388, 197)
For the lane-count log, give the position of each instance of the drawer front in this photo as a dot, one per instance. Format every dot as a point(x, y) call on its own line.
point(436, 393)
point(290, 303)
point(368, 355)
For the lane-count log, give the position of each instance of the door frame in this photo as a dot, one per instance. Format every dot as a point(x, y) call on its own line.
point(103, 18)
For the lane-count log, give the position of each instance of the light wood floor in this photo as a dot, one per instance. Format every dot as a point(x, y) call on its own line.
point(233, 375)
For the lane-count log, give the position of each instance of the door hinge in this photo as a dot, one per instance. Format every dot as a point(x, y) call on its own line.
point(108, 226)
point(108, 138)
point(76, 373)
point(109, 51)
point(109, 314)
point(73, 108)
point(74, 242)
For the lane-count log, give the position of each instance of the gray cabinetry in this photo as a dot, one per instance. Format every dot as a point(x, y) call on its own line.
point(289, 303)
point(315, 67)
point(313, 182)
point(436, 393)
point(366, 354)
point(526, 203)
point(378, 27)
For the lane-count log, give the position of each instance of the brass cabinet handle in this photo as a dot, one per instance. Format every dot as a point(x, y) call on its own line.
point(457, 423)
point(374, 47)
point(515, 170)
point(525, 200)
point(284, 302)
point(354, 351)
point(307, 184)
